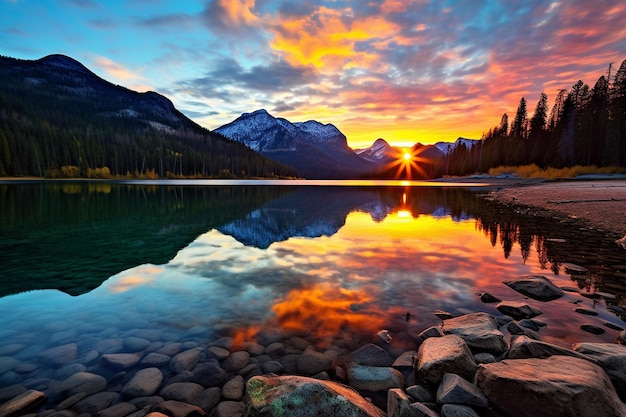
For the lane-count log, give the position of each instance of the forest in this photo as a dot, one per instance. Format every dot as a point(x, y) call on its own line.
point(57, 119)
point(585, 126)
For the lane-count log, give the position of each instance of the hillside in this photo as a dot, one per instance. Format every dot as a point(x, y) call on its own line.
point(58, 119)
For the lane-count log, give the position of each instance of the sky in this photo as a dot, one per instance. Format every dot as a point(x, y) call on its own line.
point(404, 70)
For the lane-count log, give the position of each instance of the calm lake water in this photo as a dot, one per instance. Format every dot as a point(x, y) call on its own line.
point(332, 264)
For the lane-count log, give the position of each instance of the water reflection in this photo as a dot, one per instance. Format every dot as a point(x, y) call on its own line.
point(330, 265)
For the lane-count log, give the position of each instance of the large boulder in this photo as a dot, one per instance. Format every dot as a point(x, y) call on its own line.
point(612, 358)
point(479, 330)
point(297, 396)
point(536, 287)
point(440, 355)
point(558, 386)
point(85, 382)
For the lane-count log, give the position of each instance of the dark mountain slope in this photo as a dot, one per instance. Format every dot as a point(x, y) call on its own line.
point(57, 118)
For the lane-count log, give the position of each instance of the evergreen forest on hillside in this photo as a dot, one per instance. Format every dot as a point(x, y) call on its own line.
point(62, 121)
point(585, 126)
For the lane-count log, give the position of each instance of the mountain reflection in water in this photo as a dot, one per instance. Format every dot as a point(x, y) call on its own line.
point(332, 265)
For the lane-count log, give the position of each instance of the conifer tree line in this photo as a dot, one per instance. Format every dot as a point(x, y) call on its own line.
point(68, 124)
point(584, 126)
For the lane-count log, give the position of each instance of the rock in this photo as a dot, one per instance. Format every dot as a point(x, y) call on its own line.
point(399, 405)
point(312, 362)
point(209, 374)
point(479, 330)
point(455, 410)
point(135, 344)
point(275, 349)
point(95, 402)
point(517, 310)
point(145, 383)
point(536, 287)
point(405, 361)
point(229, 409)
point(443, 315)
point(612, 358)
point(178, 409)
point(254, 348)
point(523, 347)
point(272, 367)
point(170, 349)
point(374, 378)
point(233, 389)
point(146, 402)
point(440, 355)
point(236, 361)
point(371, 355)
point(592, 328)
point(208, 398)
point(23, 403)
point(621, 338)
point(156, 414)
point(8, 364)
point(181, 391)
point(58, 356)
point(219, 352)
point(433, 331)
point(118, 410)
point(384, 336)
point(484, 357)
point(488, 298)
point(280, 395)
point(119, 361)
point(456, 390)
point(69, 402)
point(68, 370)
point(11, 391)
point(419, 394)
point(558, 386)
point(185, 361)
point(586, 311)
point(155, 359)
point(82, 382)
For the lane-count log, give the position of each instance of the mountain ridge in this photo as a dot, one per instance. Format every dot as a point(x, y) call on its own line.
point(314, 149)
point(59, 119)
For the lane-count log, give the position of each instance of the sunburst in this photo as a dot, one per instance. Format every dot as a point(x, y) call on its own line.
point(407, 163)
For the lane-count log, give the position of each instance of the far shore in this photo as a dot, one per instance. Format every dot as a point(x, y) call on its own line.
point(599, 200)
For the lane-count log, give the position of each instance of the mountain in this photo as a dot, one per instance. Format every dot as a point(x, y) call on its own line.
point(446, 147)
point(59, 119)
point(381, 152)
point(314, 149)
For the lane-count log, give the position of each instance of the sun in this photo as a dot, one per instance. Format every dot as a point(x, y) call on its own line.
point(408, 164)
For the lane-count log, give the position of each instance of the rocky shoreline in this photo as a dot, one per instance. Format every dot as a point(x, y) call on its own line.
point(476, 364)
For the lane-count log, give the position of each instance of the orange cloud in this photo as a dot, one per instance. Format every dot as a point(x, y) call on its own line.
point(239, 11)
point(327, 40)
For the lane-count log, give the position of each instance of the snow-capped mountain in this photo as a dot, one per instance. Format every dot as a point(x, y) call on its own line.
point(380, 152)
point(446, 147)
point(314, 149)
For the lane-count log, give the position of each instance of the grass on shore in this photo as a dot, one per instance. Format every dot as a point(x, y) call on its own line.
point(534, 171)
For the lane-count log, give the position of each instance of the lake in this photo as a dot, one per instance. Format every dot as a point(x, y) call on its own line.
point(326, 264)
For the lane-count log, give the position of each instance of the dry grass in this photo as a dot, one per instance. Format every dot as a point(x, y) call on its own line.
point(533, 171)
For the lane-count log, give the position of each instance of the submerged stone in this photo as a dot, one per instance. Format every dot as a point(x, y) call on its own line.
point(537, 287)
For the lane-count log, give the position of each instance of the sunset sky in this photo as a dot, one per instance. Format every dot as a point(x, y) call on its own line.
point(404, 70)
